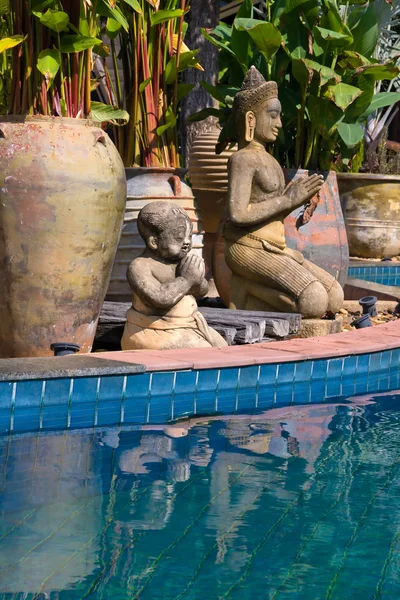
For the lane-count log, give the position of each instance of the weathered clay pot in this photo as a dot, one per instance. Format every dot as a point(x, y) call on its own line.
point(62, 199)
point(144, 185)
point(322, 240)
point(209, 177)
point(371, 208)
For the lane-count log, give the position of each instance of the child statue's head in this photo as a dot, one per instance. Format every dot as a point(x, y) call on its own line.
point(166, 230)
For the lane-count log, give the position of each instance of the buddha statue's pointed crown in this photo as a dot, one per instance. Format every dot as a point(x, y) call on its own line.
point(254, 92)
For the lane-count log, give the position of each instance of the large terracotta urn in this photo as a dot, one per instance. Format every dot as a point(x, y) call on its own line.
point(144, 185)
point(62, 201)
point(371, 208)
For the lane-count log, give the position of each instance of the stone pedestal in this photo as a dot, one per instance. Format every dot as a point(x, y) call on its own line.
point(316, 327)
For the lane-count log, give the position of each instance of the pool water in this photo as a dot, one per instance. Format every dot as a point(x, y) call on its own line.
point(297, 503)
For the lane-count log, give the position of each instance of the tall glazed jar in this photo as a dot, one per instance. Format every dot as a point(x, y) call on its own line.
point(62, 201)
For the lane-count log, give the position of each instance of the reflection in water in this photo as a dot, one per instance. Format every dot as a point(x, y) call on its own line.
point(286, 504)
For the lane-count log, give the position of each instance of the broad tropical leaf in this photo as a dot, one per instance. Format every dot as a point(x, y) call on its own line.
point(49, 64)
point(135, 5)
point(351, 133)
point(76, 43)
point(342, 94)
point(161, 16)
point(10, 42)
point(266, 37)
point(105, 10)
point(56, 20)
point(106, 113)
point(380, 101)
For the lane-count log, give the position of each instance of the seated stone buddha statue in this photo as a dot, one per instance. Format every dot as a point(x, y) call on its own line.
point(267, 275)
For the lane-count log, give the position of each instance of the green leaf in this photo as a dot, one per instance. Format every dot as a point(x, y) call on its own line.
point(324, 114)
point(216, 42)
point(351, 133)
point(184, 89)
point(102, 50)
point(332, 21)
point(77, 43)
point(105, 112)
point(113, 28)
point(365, 33)
point(56, 20)
point(219, 91)
point(329, 35)
point(48, 64)
point(161, 16)
point(105, 10)
point(351, 60)
point(266, 37)
point(205, 113)
point(380, 100)
point(10, 42)
point(4, 7)
point(240, 40)
point(144, 84)
point(379, 72)
point(303, 67)
point(135, 5)
point(342, 94)
point(188, 60)
point(170, 121)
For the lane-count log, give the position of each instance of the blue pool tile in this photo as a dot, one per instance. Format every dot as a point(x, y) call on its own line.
point(183, 405)
point(108, 413)
point(248, 385)
point(286, 372)
point(29, 393)
point(304, 371)
point(111, 388)
point(54, 416)
point(82, 414)
point(56, 392)
point(375, 360)
point(159, 409)
point(26, 418)
point(227, 390)
point(85, 390)
point(383, 382)
point(208, 380)
point(185, 382)
point(334, 381)
point(162, 384)
point(6, 389)
point(320, 370)
point(284, 394)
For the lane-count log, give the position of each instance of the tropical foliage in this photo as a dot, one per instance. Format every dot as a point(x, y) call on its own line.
point(46, 57)
point(322, 55)
point(152, 53)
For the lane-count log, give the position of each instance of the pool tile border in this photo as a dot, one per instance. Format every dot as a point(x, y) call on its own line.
point(184, 383)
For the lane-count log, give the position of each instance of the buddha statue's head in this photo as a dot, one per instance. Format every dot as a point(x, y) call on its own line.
point(257, 110)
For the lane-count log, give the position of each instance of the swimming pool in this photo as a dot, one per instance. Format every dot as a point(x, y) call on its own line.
point(298, 502)
point(384, 273)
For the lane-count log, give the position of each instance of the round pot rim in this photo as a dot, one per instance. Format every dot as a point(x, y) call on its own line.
point(144, 170)
point(48, 119)
point(378, 177)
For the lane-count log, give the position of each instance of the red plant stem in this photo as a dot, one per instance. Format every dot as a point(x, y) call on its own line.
point(88, 67)
point(75, 83)
point(151, 156)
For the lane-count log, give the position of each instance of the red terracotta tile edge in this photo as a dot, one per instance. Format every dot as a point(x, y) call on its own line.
point(363, 341)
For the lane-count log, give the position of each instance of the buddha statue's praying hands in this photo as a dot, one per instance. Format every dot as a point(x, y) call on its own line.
point(267, 275)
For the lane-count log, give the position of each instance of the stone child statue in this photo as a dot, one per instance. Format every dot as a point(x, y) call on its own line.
point(267, 275)
point(164, 279)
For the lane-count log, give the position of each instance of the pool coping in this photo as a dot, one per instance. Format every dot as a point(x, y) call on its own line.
point(348, 343)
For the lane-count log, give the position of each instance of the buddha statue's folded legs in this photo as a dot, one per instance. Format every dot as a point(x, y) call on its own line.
point(282, 280)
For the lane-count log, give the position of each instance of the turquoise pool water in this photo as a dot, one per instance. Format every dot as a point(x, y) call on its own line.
point(299, 503)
